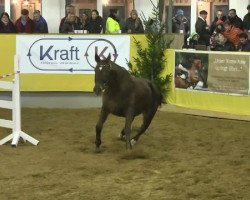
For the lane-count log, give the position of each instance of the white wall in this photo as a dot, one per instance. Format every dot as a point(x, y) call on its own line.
point(7, 6)
point(53, 11)
point(240, 6)
point(99, 7)
point(144, 6)
point(193, 15)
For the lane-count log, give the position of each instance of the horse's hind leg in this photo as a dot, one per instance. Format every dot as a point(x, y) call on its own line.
point(147, 118)
point(102, 118)
point(122, 135)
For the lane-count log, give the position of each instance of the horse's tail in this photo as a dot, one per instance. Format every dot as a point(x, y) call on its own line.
point(157, 95)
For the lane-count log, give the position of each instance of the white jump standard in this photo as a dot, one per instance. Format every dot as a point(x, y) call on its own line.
point(15, 106)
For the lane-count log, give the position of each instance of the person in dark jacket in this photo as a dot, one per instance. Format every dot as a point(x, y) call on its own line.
point(222, 43)
point(133, 24)
point(6, 25)
point(244, 42)
point(95, 22)
point(202, 28)
point(40, 23)
point(24, 24)
point(85, 21)
point(71, 23)
point(234, 19)
point(70, 10)
point(180, 24)
point(218, 22)
point(246, 20)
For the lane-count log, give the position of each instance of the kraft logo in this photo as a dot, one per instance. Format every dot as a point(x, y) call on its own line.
point(52, 53)
point(72, 54)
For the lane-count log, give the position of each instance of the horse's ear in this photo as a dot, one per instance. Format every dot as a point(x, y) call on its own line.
point(97, 58)
point(108, 58)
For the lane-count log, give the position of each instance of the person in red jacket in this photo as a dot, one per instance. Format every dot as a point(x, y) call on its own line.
point(24, 24)
point(232, 33)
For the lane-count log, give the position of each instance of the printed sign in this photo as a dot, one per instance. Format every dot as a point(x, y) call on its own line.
point(191, 70)
point(228, 74)
point(213, 71)
point(69, 54)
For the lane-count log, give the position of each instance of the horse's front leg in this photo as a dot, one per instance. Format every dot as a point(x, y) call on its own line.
point(102, 118)
point(127, 129)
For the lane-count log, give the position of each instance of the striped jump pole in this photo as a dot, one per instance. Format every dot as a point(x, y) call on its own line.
point(15, 106)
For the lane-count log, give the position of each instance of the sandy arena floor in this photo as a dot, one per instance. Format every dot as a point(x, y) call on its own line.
point(181, 157)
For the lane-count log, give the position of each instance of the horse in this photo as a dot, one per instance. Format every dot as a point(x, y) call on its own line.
point(126, 96)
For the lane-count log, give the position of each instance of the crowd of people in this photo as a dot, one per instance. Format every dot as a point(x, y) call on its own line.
point(23, 24)
point(96, 24)
point(71, 22)
point(226, 33)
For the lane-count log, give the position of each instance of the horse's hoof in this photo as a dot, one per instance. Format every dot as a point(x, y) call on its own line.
point(97, 150)
point(133, 142)
point(122, 137)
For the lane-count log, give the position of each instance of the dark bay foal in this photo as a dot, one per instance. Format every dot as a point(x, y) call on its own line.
point(125, 96)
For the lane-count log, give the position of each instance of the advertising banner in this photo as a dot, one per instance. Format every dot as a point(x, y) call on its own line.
point(221, 72)
point(59, 54)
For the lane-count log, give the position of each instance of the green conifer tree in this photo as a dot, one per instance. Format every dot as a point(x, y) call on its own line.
point(150, 61)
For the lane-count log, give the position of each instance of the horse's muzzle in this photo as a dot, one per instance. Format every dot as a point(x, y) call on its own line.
point(97, 90)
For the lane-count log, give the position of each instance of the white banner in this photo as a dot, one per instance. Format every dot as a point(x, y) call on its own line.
point(69, 54)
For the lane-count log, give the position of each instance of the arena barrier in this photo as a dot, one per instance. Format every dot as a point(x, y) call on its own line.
point(15, 106)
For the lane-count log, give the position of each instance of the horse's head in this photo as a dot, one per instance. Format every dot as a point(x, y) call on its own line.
point(102, 73)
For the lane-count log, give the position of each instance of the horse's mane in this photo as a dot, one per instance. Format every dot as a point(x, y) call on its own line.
point(120, 72)
point(120, 79)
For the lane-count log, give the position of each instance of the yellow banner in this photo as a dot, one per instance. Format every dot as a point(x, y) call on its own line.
point(49, 82)
point(7, 52)
point(206, 100)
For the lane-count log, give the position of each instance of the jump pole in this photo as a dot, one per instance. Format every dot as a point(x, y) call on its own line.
point(15, 105)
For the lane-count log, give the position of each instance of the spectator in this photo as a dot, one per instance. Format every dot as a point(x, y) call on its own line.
point(133, 24)
point(85, 21)
point(24, 24)
point(71, 23)
point(218, 29)
point(202, 28)
point(192, 41)
point(231, 33)
point(40, 23)
point(234, 19)
point(95, 23)
point(246, 20)
point(222, 43)
point(112, 23)
point(217, 24)
point(180, 24)
point(6, 25)
point(69, 11)
point(244, 42)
